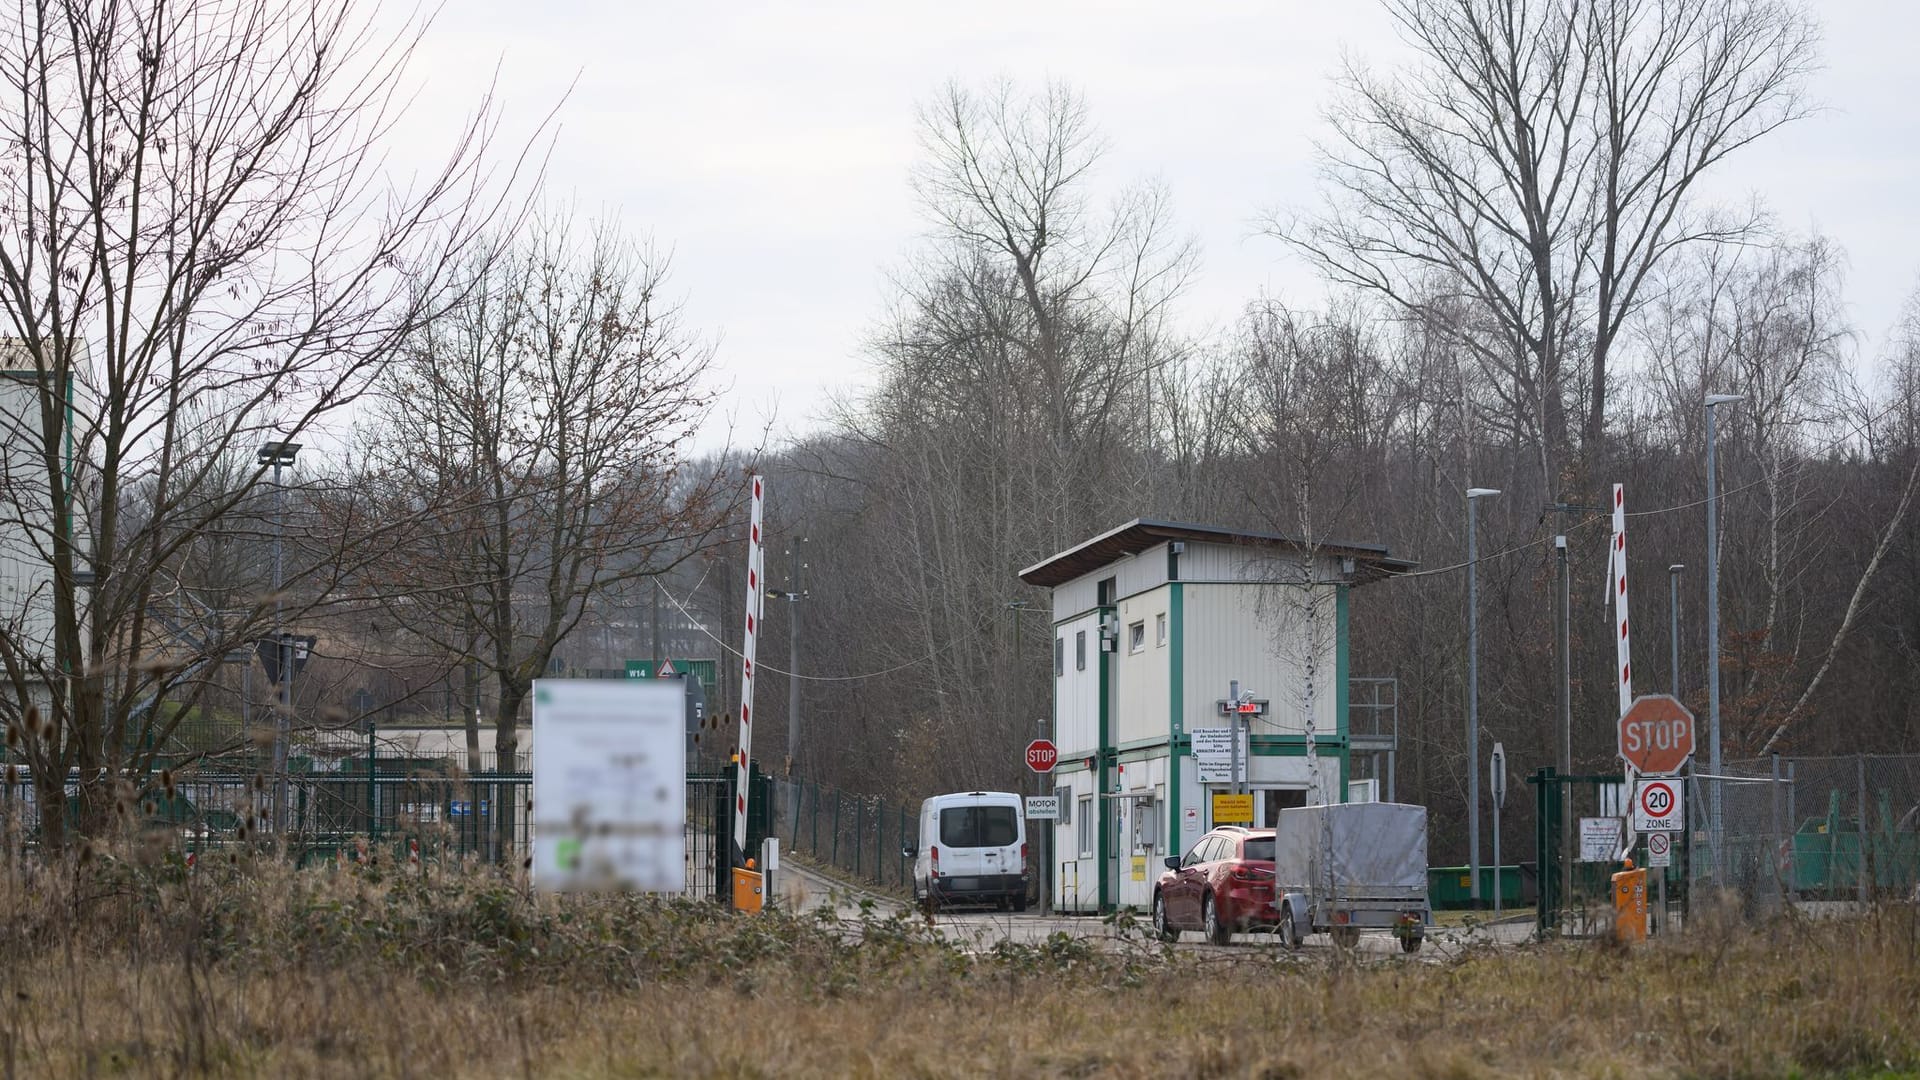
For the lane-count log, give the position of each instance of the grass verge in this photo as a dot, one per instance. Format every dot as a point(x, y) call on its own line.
point(141, 967)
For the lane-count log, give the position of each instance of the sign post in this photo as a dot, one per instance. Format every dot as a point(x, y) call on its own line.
point(1041, 757)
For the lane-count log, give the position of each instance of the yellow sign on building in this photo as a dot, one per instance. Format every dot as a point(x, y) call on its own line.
point(1233, 809)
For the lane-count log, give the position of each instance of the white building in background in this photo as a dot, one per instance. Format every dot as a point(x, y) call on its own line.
point(1152, 622)
point(26, 506)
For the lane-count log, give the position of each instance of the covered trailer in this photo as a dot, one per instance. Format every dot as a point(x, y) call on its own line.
point(1350, 867)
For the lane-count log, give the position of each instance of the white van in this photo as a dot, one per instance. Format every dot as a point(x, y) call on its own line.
point(972, 850)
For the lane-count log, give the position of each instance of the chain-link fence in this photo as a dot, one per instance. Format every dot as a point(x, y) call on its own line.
point(859, 835)
point(1809, 829)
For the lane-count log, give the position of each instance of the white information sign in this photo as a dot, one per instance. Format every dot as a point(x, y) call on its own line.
point(1599, 839)
point(1043, 807)
point(1213, 753)
point(1657, 806)
point(1659, 850)
point(609, 785)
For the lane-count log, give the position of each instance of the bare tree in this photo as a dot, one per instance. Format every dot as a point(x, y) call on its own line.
point(1539, 161)
point(1016, 410)
point(536, 438)
point(199, 251)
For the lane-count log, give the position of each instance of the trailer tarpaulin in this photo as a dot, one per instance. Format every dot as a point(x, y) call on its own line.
point(1356, 849)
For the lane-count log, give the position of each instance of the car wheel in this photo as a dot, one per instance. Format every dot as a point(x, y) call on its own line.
point(1411, 943)
point(1289, 932)
point(1161, 926)
point(1217, 932)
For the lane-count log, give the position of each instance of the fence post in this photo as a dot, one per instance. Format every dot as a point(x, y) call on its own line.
point(813, 838)
point(835, 860)
point(859, 819)
point(1783, 867)
point(900, 868)
point(1860, 766)
point(879, 842)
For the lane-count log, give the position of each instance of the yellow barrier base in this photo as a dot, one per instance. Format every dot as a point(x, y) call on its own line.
point(747, 891)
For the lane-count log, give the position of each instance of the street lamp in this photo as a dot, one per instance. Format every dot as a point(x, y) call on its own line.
point(1713, 623)
point(1473, 700)
point(1673, 623)
point(280, 455)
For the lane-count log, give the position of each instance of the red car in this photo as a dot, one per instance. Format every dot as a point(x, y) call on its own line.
point(1223, 885)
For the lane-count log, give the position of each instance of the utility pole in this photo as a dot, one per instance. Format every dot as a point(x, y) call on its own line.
point(796, 570)
point(1713, 632)
point(656, 626)
point(1473, 699)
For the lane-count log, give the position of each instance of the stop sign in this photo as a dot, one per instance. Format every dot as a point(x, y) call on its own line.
point(1656, 735)
point(1041, 756)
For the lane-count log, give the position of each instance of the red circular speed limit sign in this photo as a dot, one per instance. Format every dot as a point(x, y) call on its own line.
point(1656, 799)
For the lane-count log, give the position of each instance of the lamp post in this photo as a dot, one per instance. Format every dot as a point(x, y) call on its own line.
point(280, 455)
point(1673, 623)
point(1713, 623)
point(1473, 699)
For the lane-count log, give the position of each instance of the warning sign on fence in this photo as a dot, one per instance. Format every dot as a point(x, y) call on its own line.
point(1599, 839)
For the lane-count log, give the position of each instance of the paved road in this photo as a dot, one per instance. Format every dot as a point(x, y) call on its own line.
point(802, 889)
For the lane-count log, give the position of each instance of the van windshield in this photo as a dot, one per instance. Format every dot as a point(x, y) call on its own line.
point(978, 826)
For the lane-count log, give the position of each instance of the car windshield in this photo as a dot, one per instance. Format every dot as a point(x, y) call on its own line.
point(978, 826)
point(1257, 847)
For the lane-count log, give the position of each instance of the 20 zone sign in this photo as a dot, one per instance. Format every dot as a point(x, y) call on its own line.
point(1656, 735)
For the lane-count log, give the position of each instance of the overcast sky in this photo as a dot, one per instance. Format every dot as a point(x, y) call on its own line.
point(769, 144)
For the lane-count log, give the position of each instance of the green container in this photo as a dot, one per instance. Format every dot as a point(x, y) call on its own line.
point(1450, 888)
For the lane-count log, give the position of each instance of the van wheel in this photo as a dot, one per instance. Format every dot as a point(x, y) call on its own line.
point(1217, 932)
point(1020, 902)
point(1163, 929)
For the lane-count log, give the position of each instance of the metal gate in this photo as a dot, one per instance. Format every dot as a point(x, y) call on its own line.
point(709, 831)
point(1576, 898)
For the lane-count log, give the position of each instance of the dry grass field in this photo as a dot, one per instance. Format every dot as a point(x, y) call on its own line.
point(123, 967)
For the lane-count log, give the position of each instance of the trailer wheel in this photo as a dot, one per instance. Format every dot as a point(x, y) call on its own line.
point(1346, 937)
point(1217, 932)
point(1289, 933)
point(1411, 943)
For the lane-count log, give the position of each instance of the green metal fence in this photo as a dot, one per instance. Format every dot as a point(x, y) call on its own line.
point(407, 808)
point(858, 835)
